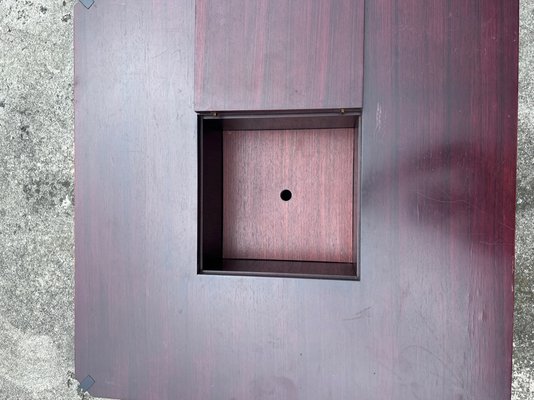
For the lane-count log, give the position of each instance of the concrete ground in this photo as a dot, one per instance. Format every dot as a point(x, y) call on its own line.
point(36, 202)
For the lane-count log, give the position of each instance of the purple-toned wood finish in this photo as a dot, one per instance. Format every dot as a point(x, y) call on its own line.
point(316, 166)
point(278, 54)
point(431, 317)
point(135, 212)
point(314, 153)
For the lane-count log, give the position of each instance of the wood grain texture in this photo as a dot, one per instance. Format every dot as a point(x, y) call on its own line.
point(431, 317)
point(135, 134)
point(278, 54)
point(438, 193)
point(287, 269)
point(316, 166)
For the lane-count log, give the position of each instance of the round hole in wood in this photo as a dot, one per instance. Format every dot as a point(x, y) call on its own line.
point(286, 195)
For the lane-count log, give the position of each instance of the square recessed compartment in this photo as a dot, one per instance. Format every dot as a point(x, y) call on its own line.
point(278, 194)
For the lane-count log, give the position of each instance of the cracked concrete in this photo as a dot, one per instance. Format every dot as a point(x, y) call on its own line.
point(36, 197)
point(36, 202)
point(523, 376)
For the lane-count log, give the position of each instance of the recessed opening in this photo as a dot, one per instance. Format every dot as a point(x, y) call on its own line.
point(246, 161)
point(286, 195)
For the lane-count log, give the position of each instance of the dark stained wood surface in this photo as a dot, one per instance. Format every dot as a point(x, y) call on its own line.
point(278, 54)
point(431, 317)
point(135, 212)
point(287, 269)
point(316, 166)
point(438, 195)
point(315, 151)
